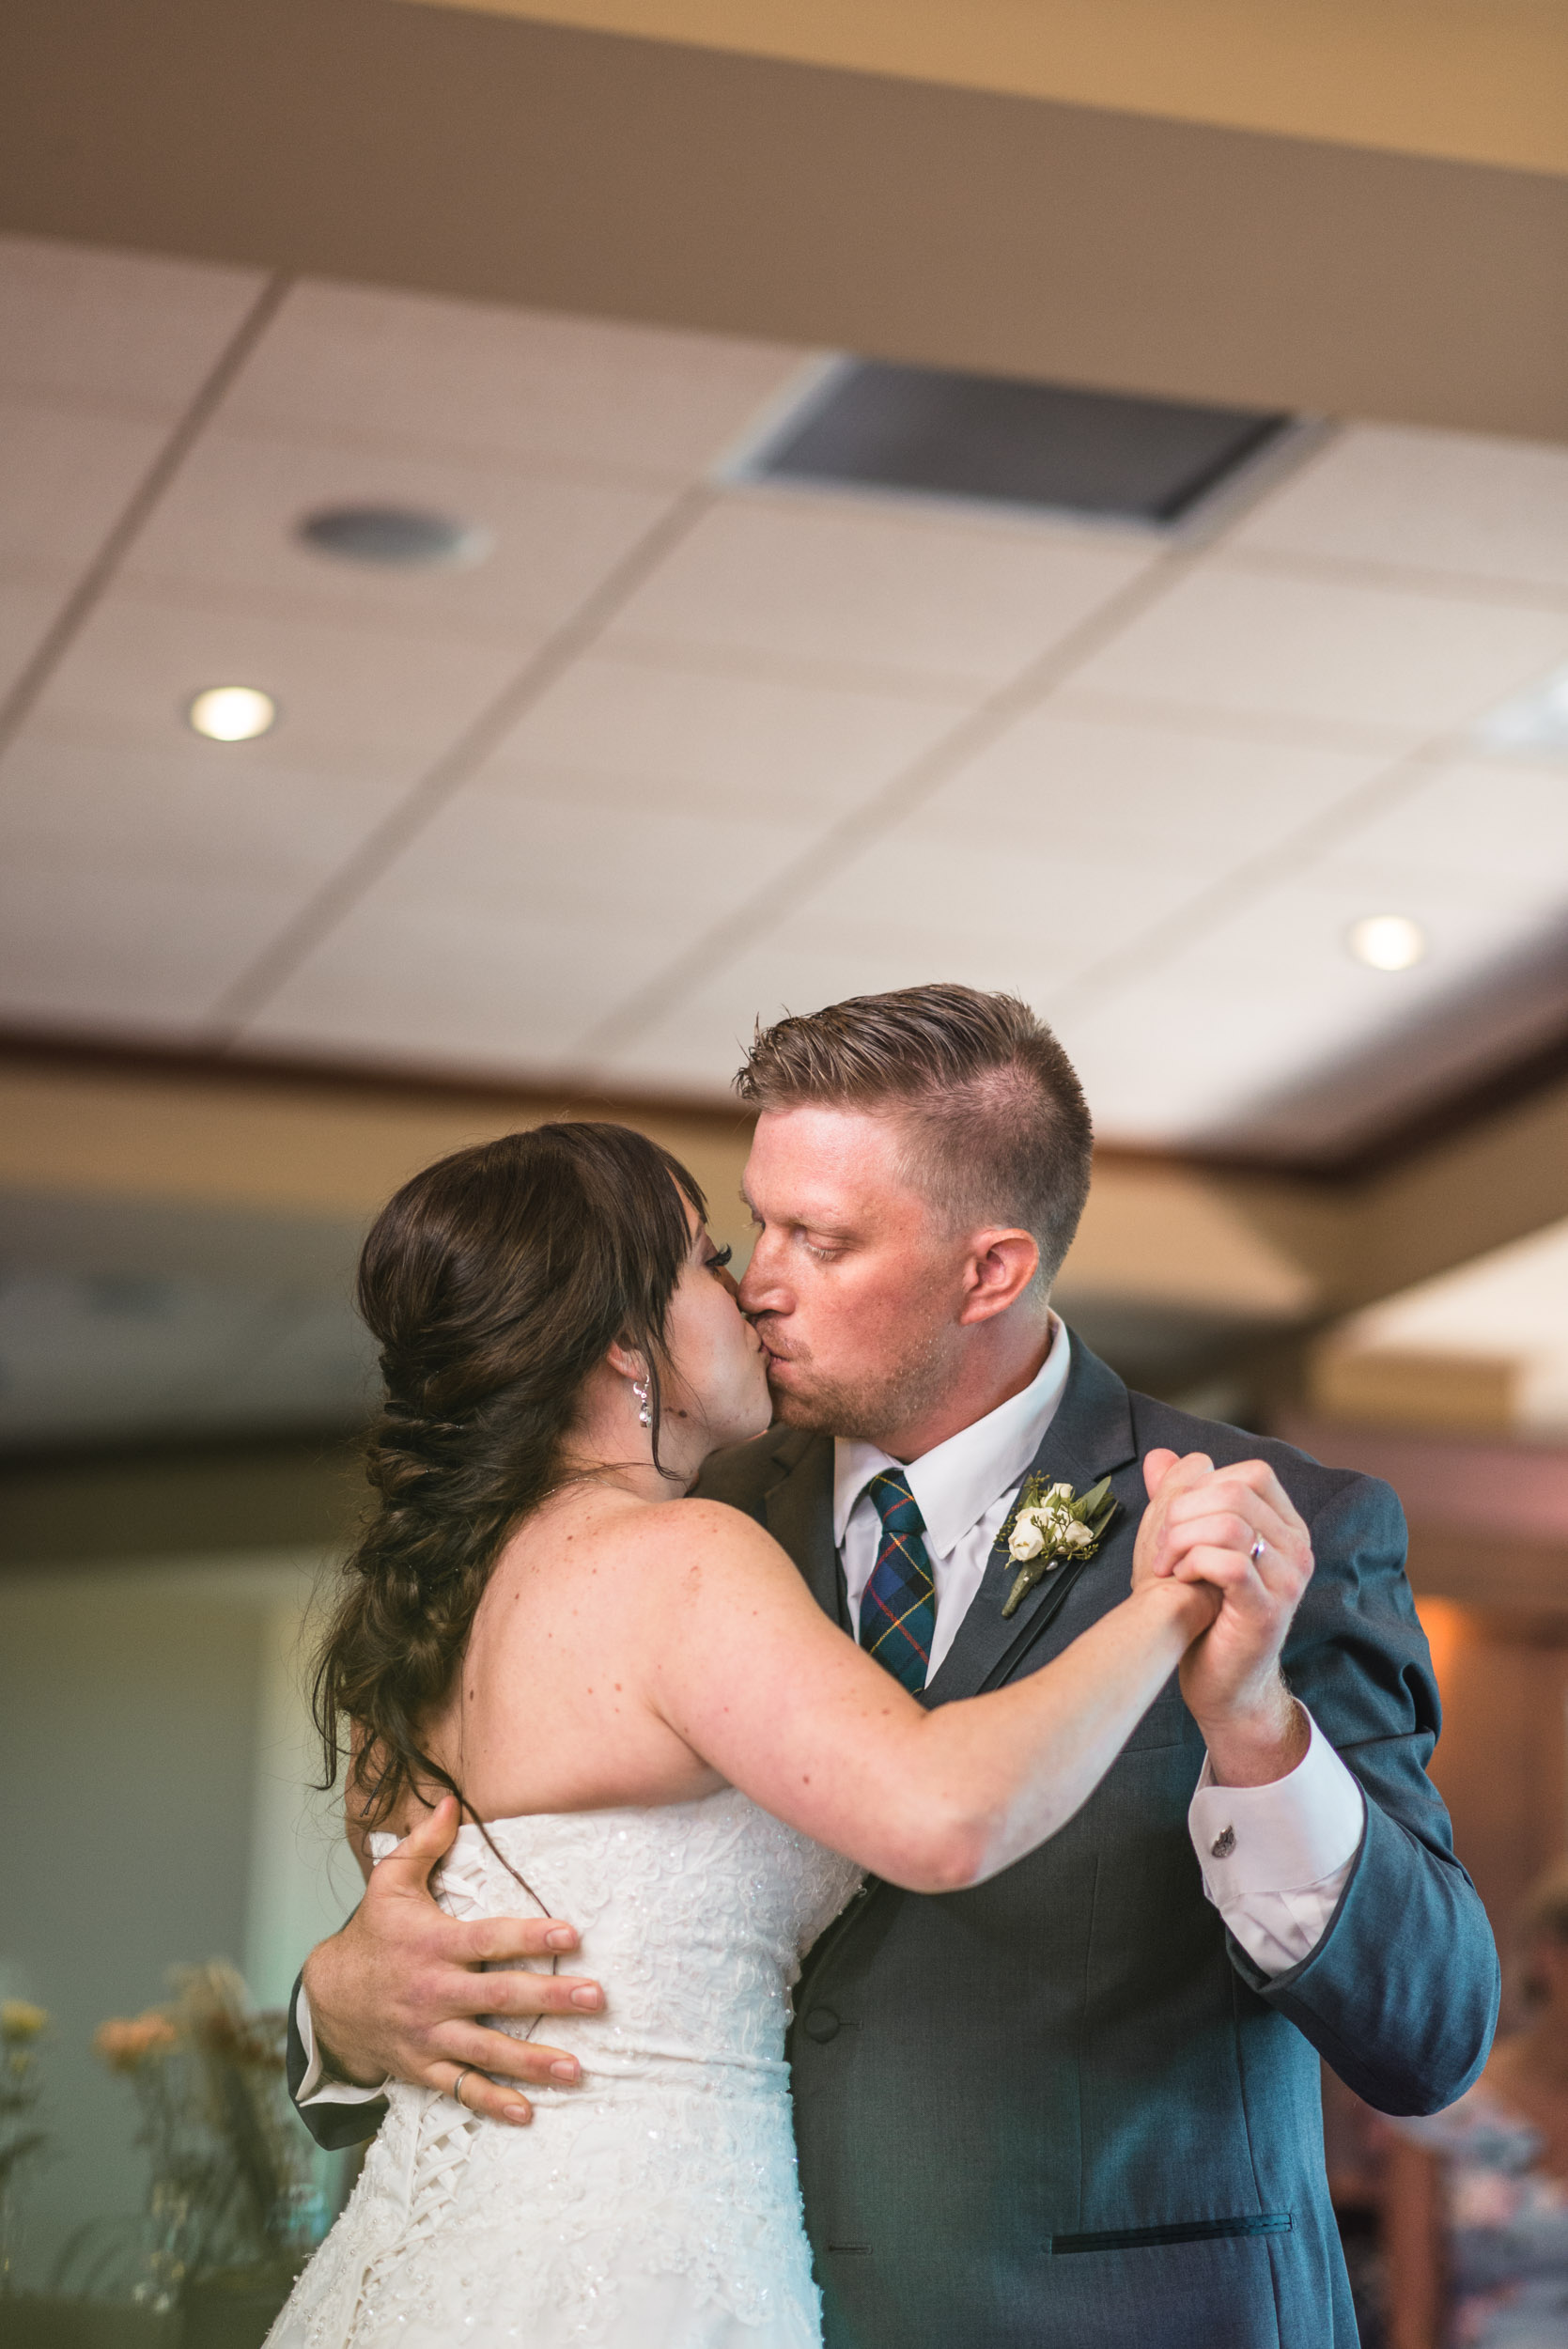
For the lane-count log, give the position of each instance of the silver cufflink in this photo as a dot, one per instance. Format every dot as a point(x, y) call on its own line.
point(1223, 1844)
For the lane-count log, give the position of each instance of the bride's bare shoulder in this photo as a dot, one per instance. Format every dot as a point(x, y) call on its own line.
point(692, 1536)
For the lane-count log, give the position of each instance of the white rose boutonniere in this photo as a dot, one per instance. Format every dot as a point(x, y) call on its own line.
point(1051, 1524)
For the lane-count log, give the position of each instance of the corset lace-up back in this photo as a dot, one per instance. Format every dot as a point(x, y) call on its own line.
point(657, 2203)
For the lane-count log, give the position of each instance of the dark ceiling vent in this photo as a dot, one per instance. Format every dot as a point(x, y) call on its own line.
point(396, 537)
point(925, 431)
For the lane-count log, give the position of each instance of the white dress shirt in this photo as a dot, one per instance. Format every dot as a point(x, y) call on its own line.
point(1274, 1858)
point(1285, 1850)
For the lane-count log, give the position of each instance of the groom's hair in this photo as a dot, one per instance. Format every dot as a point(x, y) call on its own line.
point(997, 1128)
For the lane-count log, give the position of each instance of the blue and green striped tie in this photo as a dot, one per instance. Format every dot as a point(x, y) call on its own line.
point(898, 1612)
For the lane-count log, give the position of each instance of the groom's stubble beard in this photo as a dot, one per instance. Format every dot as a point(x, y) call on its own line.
point(876, 1405)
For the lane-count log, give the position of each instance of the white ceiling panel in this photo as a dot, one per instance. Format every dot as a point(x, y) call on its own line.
point(1407, 665)
point(1494, 831)
point(130, 329)
point(1438, 501)
point(350, 363)
point(1054, 912)
point(66, 476)
point(699, 1044)
point(124, 951)
point(378, 701)
point(190, 811)
point(228, 527)
point(942, 603)
point(715, 744)
point(581, 859)
point(1111, 792)
point(470, 988)
point(27, 608)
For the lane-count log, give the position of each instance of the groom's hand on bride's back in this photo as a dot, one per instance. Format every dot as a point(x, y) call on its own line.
point(398, 1991)
point(1235, 1527)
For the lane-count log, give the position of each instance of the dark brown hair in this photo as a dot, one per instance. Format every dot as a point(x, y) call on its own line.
point(994, 1117)
point(494, 1283)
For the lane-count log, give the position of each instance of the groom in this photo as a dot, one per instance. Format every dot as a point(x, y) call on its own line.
point(1077, 2105)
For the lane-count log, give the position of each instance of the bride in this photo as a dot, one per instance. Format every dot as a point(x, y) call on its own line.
point(654, 1732)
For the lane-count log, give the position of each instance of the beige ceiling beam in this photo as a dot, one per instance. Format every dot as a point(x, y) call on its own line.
point(1275, 1249)
point(1478, 81)
point(490, 156)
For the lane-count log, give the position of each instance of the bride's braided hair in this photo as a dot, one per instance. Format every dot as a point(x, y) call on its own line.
point(494, 1283)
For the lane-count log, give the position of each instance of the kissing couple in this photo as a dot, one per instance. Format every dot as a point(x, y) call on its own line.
point(854, 1634)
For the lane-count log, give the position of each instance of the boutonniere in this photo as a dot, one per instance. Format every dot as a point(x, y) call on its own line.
point(1050, 1524)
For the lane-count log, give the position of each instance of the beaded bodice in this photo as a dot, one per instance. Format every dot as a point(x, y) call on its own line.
point(675, 2157)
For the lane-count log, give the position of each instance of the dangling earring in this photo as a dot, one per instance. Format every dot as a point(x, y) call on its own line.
point(645, 1413)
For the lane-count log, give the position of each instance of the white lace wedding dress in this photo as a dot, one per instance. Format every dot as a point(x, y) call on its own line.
point(655, 2206)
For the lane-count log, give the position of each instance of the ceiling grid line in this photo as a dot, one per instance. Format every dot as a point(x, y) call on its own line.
point(248, 994)
point(101, 573)
point(1377, 796)
point(763, 910)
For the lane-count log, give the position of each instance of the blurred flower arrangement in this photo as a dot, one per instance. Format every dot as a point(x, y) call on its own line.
point(231, 2187)
point(21, 2027)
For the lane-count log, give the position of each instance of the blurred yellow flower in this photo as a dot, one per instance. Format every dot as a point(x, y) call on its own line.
point(20, 2020)
point(125, 2042)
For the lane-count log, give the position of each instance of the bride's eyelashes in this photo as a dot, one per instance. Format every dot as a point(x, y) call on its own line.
point(719, 1261)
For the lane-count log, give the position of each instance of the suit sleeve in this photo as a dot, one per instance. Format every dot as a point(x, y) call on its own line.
point(1400, 1995)
point(332, 2125)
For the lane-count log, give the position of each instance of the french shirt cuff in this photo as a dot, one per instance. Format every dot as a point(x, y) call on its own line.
point(316, 2088)
point(1282, 1838)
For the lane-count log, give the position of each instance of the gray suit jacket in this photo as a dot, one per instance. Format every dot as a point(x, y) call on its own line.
point(1065, 2109)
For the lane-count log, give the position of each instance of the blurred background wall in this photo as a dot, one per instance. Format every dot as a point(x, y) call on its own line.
point(691, 512)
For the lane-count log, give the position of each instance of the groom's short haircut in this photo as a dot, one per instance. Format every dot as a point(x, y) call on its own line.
point(998, 1131)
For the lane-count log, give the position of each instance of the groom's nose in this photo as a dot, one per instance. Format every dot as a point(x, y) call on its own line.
point(761, 1290)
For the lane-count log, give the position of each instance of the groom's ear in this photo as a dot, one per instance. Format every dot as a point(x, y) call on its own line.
point(999, 1266)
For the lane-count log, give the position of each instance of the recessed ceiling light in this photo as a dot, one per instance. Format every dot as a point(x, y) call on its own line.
point(1536, 720)
point(232, 714)
point(1388, 942)
point(395, 536)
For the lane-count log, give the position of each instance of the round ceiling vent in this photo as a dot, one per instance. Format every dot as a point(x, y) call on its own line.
point(398, 537)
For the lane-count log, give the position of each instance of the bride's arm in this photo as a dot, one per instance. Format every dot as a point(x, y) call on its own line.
point(746, 1668)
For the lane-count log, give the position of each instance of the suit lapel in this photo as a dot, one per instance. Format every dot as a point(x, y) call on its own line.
point(1091, 1436)
point(798, 1513)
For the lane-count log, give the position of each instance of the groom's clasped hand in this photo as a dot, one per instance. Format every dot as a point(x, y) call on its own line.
point(421, 1980)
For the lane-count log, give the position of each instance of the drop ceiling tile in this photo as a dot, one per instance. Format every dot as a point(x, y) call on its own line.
point(1443, 501)
point(126, 328)
point(1016, 894)
point(1116, 792)
point(352, 363)
point(1406, 663)
point(27, 609)
point(1498, 831)
point(1287, 945)
point(124, 951)
point(715, 744)
point(581, 859)
point(186, 813)
point(66, 476)
point(228, 527)
point(932, 603)
point(468, 988)
point(698, 1045)
point(381, 703)
point(1170, 1064)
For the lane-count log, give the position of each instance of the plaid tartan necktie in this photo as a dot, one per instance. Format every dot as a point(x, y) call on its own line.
point(898, 1612)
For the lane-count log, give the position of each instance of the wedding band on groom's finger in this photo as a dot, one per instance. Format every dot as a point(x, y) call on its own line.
point(1259, 1545)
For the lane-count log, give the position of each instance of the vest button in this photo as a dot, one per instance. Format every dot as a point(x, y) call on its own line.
point(821, 2024)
